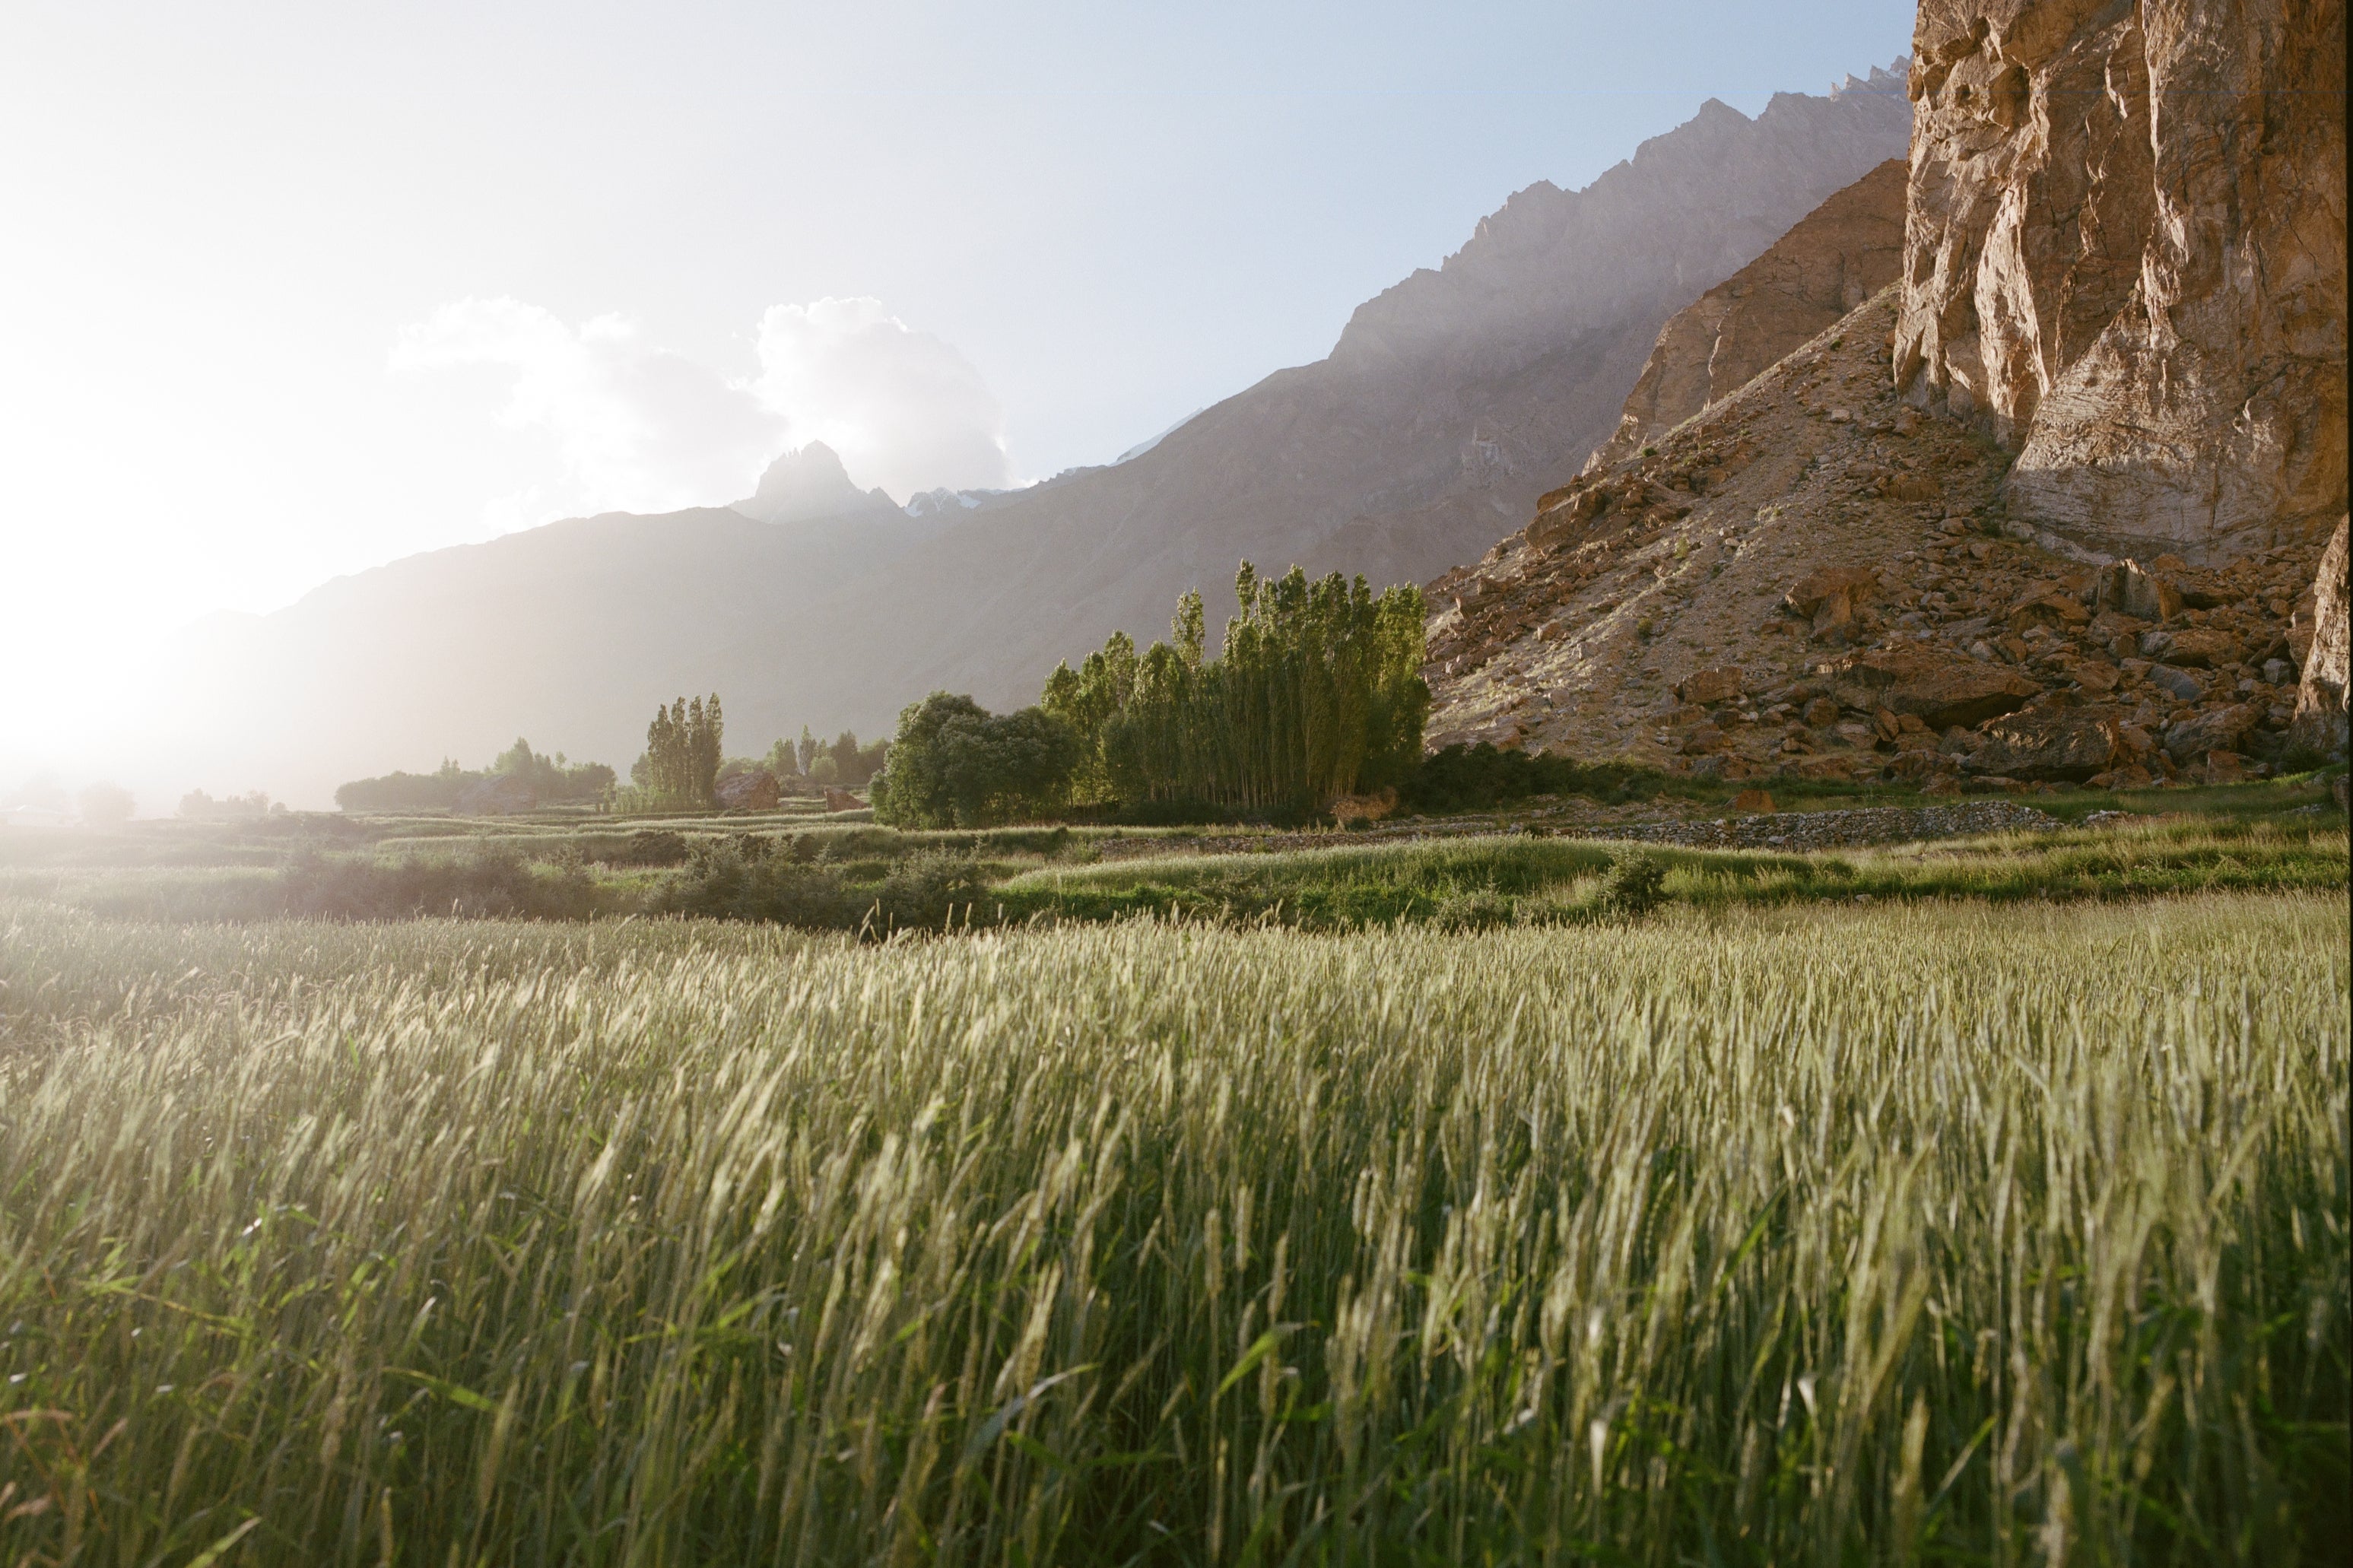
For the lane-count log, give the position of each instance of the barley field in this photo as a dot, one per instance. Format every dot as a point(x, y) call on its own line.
point(1943, 1233)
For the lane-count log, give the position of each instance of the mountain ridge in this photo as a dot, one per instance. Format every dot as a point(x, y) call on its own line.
point(1449, 402)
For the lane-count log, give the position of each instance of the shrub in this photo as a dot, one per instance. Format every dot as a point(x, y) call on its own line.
point(931, 889)
point(748, 878)
point(495, 882)
point(1634, 885)
point(1480, 909)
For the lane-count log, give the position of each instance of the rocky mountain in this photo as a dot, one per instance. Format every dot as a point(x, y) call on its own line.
point(2322, 627)
point(809, 483)
point(1837, 257)
point(2050, 507)
point(2124, 253)
point(1450, 402)
point(570, 634)
point(1812, 578)
point(1447, 405)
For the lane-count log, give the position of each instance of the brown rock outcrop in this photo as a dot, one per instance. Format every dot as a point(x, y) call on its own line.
point(755, 790)
point(2320, 700)
point(2048, 743)
point(1837, 257)
point(1973, 635)
point(1940, 689)
point(2124, 249)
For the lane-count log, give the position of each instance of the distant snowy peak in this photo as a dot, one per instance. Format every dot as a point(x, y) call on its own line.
point(944, 502)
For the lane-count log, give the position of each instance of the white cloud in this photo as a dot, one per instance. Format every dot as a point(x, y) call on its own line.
point(637, 428)
point(903, 409)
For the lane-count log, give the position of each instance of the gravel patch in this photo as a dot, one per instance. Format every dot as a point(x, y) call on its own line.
point(1839, 830)
point(1792, 830)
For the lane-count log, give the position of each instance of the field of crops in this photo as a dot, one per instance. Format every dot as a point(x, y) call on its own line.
point(1818, 1233)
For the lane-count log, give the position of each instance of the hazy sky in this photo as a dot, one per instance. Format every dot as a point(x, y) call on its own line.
point(291, 289)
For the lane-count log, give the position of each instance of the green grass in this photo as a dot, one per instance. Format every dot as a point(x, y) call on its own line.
point(1507, 878)
point(2280, 835)
point(1947, 1232)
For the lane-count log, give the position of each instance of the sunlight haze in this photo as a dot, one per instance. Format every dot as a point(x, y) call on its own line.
point(298, 291)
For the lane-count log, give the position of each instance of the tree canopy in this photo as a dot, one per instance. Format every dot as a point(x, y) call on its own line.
point(552, 778)
point(956, 764)
point(1316, 693)
point(680, 769)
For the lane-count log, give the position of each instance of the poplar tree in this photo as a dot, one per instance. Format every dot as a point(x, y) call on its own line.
point(683, 750)
point(1318, 692)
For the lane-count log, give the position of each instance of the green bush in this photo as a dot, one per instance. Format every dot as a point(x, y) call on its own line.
point(1634, 885)
point(748, 878)
point(495, 882)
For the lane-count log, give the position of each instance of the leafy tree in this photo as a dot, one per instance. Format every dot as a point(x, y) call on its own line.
point(198, 806)
point(552, 779)
point(956, 764)
point(105, 805)
point(680, 768)
point(782, 760)
point(1318, 693)
point(855, 765)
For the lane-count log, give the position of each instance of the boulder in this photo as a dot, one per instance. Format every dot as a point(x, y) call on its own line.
point(2179, 684)
point(2216, 730)
point(2319, 725)
point(2045, 607)
point(2072, 743)
point(1811, 592)
point(1939, 688)
point(2128, 588)
point(500, 796)
point(1753, 800)
point(1706, 685)
point(754, 791)
point(2194, 648)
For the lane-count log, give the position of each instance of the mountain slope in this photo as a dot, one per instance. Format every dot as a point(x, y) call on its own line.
point(1449, 405)
point(1811, 578)
point(1451, 401)
point(1838, 256)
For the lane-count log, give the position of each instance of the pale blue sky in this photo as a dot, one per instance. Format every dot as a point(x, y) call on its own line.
point(222, 219)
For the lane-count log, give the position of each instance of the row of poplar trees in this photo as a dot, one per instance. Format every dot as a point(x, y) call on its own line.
point(1317, 693)
point(680, 768)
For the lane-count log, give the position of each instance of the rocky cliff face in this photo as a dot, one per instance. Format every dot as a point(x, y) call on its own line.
point(1811, 578)
point(2125, 255)
point(1838, 256)
point(2320, 706)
